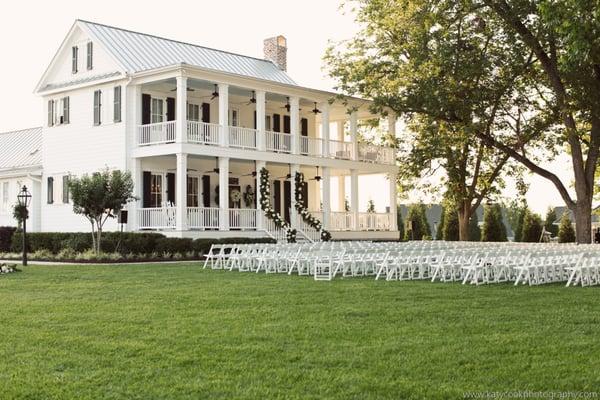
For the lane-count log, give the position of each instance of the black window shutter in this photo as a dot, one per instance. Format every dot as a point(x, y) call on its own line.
point(286, 124)
point(287, 199)
point(171, 187)
point(304, 127)
point(146, 100)
point(146, 189)
point(117, 104)
point(304, 191)
point(276, 123)
point(65, 189)
point(206, 190)
point(50, 113)
point(97, 107)
point(66, 112)
point(254, 119)
point(206, 114)
point(277, 196)
point(170, 109)
point(50, 190)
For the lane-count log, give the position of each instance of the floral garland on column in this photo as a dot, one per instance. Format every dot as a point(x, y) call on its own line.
point(307, 217)
point(265, 205)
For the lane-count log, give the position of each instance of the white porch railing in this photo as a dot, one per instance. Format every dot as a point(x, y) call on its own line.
point(203, 217)
point(276, 233)
point(243, 138)
point(376, 154)
point(311, 233)
point(374, 221)
point(203, 133)
point(341, 150)
point(311, 146)
point(242, 218)
point(341, 221)
point(156, 218)
point(158, 133)
point(278, 142)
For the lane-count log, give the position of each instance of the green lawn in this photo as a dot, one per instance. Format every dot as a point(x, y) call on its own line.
point(180, 332)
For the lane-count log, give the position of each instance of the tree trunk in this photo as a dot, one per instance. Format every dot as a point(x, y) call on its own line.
point(463, 221)
point(98, 238)
point(583, 221)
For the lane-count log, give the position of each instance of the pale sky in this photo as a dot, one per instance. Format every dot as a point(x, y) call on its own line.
point(31, 32)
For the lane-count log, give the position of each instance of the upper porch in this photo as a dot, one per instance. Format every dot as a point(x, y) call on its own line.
point(244, 118)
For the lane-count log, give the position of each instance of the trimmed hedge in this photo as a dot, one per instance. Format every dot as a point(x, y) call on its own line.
point(125, 243)
point(6, 237)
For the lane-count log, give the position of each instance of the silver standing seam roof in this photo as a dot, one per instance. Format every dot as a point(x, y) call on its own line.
point(21, 149)
point(138, 52)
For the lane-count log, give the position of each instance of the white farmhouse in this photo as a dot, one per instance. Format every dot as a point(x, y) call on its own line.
point(193, 125)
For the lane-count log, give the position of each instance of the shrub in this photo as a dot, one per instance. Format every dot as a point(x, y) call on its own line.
point(532, 228)
point(417, 219)
point(550, 220)
point(566, 233)
point(493, 225)
point(6, 235)
point(474, 231)
point(173, 245)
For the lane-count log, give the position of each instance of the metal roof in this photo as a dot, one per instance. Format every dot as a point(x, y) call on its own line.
point(79, 81)
point(20, 149)
point(138, 52)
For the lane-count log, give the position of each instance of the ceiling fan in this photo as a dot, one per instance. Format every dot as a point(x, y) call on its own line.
point(252, 99)
point(188, 170)
point(316, 110)
point(288, 106)
point(215, 170)
point(189, 89)
point(317, 176)
point(289, 174)
point(215, 94)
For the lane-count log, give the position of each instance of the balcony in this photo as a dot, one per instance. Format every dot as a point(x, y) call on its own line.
point(276, 142)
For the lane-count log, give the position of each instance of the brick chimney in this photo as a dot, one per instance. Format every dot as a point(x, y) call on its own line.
point(275, 50)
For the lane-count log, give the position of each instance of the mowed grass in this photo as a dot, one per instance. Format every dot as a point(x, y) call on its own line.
point(180, 332)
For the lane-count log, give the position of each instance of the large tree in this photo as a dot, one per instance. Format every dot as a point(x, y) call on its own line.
point(437, 65)
point(564, 38)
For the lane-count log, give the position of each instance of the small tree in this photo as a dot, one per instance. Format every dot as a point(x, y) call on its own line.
point(474, 231)
point(99, 197)
point(532, 228)
point(566, 233)
point(439, 233)
point(417, 228)
point(450, 231)
point(400, 223)
point(493, 226)
point(520, 220)
point(20, 213)
point(550, 220)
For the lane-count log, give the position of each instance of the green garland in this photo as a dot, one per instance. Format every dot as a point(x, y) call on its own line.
point(265, 205)
point(307, 217)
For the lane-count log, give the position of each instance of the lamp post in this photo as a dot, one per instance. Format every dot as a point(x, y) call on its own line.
point(24, 198)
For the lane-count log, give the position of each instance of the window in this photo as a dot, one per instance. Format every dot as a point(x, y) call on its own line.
point(156, 190)
point(192, 191)
point(65, 110)
point(50, 113)
point(5, 195)
point(97, 107)
point(90, 55)
point(50, 190)
point(65, 189)
point(117, 104)
point(193, 112)
point(156, 111)
point(233, 117)
point(74, 50)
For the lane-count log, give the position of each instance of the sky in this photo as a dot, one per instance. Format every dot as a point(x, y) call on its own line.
point(31, 32)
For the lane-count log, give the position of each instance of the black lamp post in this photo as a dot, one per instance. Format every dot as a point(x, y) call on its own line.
point(24, 198)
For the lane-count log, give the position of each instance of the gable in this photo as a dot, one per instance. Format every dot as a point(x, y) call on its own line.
point(60, 73)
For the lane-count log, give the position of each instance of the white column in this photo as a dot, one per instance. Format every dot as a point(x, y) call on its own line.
point(354, 197)
point(354, 134)
point(393, 202)
point(325, 128)
point(392, 124)
point(224, 193)
point(138, 182)
point(181, 110)
point(341, 193)
point(181, 193)
point(293, 213)
point(259, 213)
point(295, 124)
point(340, 130)
point(326, 197)
point(260, 120)
point(224, 113)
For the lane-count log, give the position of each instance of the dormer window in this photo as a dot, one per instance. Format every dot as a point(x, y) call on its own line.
point(90, 55)
point(74, 51)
